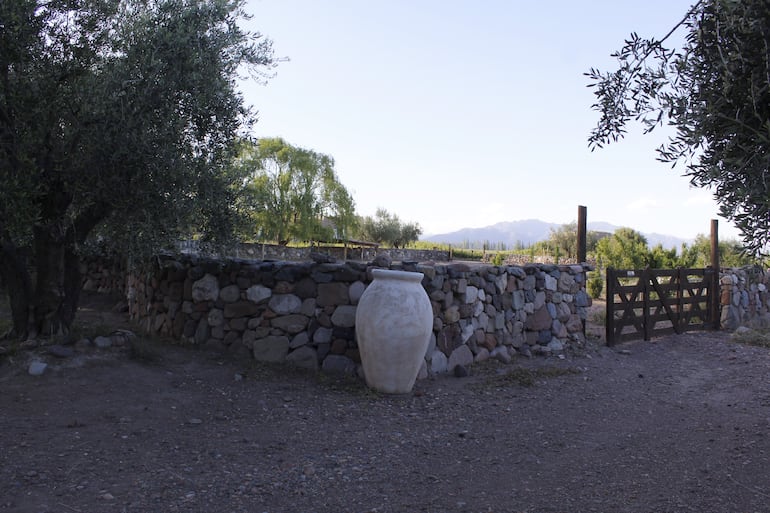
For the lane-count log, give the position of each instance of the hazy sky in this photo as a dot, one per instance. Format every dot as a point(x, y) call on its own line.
point(466, 113)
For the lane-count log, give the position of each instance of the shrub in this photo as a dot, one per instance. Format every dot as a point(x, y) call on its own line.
point(595, 284)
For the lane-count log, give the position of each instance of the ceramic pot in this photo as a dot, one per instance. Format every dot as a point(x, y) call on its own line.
point(394, 320)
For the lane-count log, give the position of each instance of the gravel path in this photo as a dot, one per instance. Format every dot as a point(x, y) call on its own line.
point(679, 424)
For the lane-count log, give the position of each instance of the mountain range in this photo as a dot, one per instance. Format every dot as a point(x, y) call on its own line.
point(529, 231)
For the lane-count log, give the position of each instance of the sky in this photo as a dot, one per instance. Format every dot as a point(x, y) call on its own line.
point(460, 113)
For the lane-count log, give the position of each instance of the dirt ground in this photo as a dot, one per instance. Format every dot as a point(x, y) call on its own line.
point(679, 424)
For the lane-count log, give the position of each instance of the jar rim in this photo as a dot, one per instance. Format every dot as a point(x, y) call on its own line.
point(395, 274)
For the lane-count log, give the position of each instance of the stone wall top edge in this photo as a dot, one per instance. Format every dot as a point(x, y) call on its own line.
point(198, 260)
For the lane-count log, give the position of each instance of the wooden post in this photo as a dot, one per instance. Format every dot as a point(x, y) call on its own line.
point(715, 293)
point(647, 323)
point(609, 318)
point(581, 234)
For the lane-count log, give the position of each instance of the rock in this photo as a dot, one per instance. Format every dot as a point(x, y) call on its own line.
point(291, 324)
point(230, 294)
point(338, 364)
point(482, 355)
point(355, 291)
point(333, 294)
point(305, 358)
point(60, 351)
point(344, 316)
point(556, 345)
point(460, 356)
point(258, 293)
point(322, 336)
point(271, 349)
point(216, 317)
point(501, 354)
point(37, 368)
point(438, 362)
point(460, 371)
point(382, 260)
point(103, 342)
point(540, 320)
point(301, 339)
point(285, 304)
point(206, 289)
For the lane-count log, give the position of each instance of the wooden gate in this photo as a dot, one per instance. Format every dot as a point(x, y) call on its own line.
point(652, 302)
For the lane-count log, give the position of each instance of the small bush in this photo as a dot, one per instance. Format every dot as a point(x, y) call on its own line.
point(595, 284)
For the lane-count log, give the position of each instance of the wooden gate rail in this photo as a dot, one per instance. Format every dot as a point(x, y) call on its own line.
point(653, 302)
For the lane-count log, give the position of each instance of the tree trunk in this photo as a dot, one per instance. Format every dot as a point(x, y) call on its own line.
point(58, 283)
point(13, 268)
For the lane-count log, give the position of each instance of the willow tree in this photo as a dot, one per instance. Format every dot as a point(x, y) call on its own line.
point(714, 92)
point(115, 115)
point(293, 192)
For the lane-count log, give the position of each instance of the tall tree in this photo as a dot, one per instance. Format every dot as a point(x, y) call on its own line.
point(625, 249)
point(294, 192)
point(565, 239)
point(112, 113)
point(715, 92)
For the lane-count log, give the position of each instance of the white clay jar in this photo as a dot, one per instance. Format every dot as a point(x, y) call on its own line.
point(394, 320)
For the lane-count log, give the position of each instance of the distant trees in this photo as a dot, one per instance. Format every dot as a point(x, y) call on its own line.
point(627, 249)
point(292, 193)
point(387, 228)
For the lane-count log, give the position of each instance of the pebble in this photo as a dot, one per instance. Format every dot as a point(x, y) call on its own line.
point(194, 421)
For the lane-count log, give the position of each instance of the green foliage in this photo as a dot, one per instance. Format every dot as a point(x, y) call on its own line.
point(564, 241)
point(293, 193)
point(625, 249)
point(595, 284)
point(387, 228)
point(116, 116)
point(715, 92)
point(498, 258)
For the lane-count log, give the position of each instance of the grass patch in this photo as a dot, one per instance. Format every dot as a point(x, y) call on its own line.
point(524, 377)
point(751, 337)
point(598, 317)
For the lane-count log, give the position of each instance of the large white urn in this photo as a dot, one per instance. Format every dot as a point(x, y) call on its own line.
point(394, 320)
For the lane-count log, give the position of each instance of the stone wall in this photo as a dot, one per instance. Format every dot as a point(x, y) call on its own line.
point(304, 313)
point(744, 297)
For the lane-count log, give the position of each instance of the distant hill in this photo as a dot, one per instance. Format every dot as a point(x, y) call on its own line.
point(529, 231)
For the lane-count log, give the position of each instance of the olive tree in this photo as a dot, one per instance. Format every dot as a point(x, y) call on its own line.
point(715, 93)
point(117, 116)
point(388, 228)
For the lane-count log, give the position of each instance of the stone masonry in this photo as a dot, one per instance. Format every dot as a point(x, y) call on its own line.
point(303, 314)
